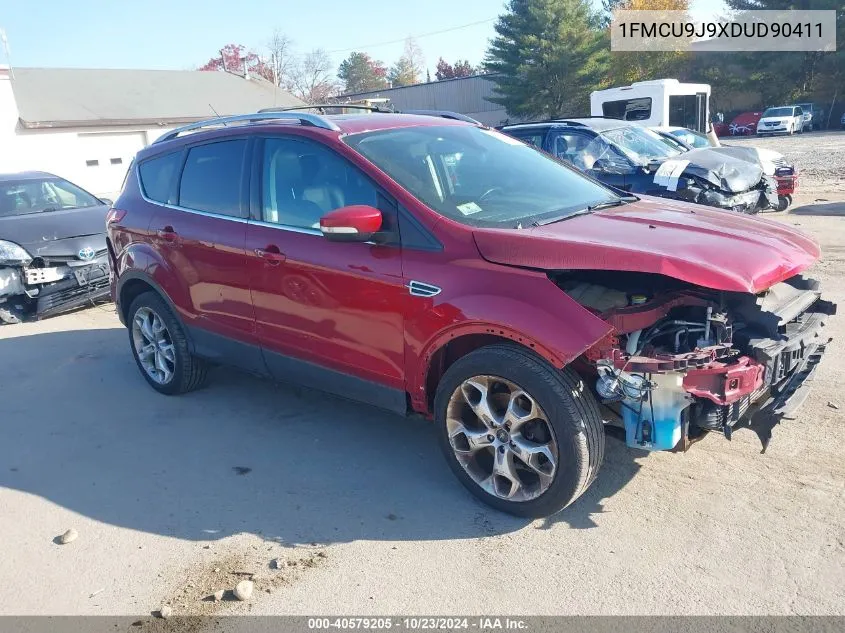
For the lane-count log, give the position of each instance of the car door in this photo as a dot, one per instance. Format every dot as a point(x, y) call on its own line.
point(201, 235)
point(329, 315)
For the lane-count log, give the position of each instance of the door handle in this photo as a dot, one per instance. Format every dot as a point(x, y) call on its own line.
point(168, 235)
point(271, 254)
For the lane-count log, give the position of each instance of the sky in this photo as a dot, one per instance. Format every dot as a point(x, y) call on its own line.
point(184, 34)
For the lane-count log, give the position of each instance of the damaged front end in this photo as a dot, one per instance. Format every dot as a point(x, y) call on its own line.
point(51, 283)
point(685, 360)
point(716, 179)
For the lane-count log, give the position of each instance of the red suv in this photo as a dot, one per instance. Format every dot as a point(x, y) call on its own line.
point(431, 265)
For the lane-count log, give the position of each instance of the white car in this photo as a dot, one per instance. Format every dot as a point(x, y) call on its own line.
point(781, 120)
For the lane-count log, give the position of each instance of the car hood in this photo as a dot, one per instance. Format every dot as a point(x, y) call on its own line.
point(721, 169)
point(774, 119)
point(700, 245)
point(768, 159)
point(57, 233)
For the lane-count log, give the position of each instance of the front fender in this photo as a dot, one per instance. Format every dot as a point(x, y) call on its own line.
point(554, 325)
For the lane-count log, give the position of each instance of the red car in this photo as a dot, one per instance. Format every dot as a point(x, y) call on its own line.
point(745, 124)
point(435, 266)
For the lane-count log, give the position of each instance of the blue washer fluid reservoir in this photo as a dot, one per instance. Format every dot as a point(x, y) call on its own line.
point(657, 427)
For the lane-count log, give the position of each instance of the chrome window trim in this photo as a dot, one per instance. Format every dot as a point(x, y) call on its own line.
point(287, 227)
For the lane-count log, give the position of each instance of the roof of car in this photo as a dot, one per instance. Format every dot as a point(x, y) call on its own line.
point(599, 124)
point(26, 175)
point(344, 124)
point(357, 123)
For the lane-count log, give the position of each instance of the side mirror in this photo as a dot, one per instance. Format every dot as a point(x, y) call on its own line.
point(355, 223)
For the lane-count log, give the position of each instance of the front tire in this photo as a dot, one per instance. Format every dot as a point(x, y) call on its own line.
point(160, 347)
point(521, 435)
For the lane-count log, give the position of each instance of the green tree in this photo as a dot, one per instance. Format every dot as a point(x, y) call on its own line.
point(403, 73)
point(361, 73)
point(547, 56)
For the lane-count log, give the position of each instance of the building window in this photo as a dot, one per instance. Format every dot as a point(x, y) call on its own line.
point(116, 161)
point(92, 163)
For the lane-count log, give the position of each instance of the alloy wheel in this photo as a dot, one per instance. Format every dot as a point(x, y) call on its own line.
point(502, 438)
point(153, 345)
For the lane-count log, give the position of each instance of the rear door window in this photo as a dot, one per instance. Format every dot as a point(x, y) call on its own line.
point(531, 137)
point(156, 175)
point(212, 178)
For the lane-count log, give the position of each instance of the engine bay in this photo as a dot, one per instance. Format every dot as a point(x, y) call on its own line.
point(683, 360)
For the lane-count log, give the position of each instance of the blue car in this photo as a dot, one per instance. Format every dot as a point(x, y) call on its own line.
point(633, 158)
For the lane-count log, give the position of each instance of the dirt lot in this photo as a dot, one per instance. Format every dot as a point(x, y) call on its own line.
point(175, 498)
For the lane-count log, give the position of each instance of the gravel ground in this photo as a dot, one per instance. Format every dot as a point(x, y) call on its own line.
point(819, 156)
point(176, 498)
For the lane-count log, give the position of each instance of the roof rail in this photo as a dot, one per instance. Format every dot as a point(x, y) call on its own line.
point(313, 120)
point(321, 106)
point(444, 114)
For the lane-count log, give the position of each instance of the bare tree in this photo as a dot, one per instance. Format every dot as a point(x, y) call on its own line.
point(414, 55)
point(313, 77)
point(282, 60)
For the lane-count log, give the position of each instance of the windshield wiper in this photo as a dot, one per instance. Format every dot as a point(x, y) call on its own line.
point(589, 209)
point(612, 203)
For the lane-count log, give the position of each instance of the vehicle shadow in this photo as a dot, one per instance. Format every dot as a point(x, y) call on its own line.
point(820, 209)
point(83, 430)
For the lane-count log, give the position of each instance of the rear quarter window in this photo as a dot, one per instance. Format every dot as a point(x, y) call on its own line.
point(156, 176)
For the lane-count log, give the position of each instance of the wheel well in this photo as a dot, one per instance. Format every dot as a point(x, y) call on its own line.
point(458, 347)
point(130, 290)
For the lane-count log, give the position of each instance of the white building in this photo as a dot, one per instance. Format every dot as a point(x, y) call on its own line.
point(86, 125)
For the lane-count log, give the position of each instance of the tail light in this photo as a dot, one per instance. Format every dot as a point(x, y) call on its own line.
point(114, 216)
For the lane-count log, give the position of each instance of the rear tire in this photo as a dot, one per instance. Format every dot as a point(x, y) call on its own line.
point(547, 415)
point(160, 347)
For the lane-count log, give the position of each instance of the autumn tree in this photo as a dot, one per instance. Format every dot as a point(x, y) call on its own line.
point(233, 57)
point(312, 80)
point(361, 73)
point(408, 69)
point(445, 70)
point(628, 66)
point(547, 56)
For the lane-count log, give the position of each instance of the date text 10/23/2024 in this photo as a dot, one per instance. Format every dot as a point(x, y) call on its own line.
point(420, 623)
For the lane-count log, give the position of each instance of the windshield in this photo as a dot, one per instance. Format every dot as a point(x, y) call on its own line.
point(39, 195)
point(691, 138)
point(639, 144)
point(480, 177)
point(778, 112)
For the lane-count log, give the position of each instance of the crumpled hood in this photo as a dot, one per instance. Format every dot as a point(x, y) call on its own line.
point(57, 233)
point(768, 159)
point(708, 247)
point(721, 169)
